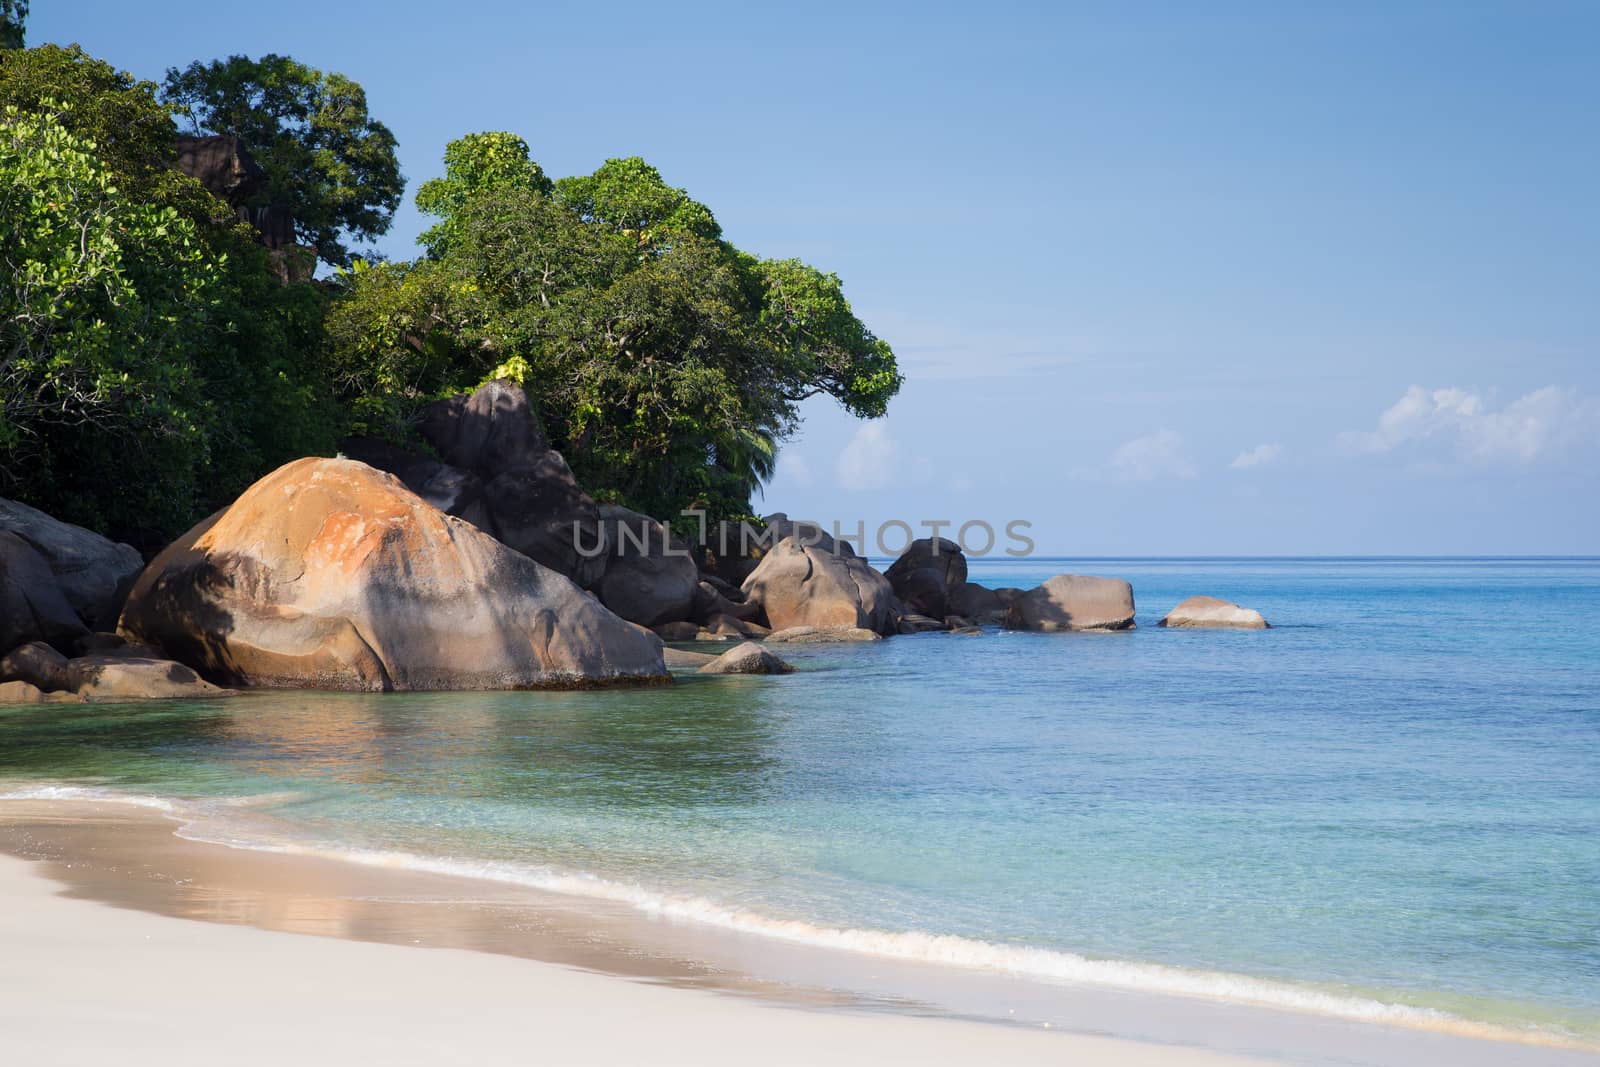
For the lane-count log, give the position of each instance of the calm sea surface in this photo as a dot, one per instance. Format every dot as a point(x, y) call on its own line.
point(1392, 796)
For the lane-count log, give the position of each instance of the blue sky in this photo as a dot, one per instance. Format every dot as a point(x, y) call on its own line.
point(1272, 278)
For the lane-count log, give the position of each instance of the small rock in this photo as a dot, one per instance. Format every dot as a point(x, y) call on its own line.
point(1208, 612)
point(677, 631)
point(27, 693)
point(912, 623)
point(1073, 602)
point(37, 664)
point(811, 635)
point(677, 657)
point(748, 658)
point(111, 677)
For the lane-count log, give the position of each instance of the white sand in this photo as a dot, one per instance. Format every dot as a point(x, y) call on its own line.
point(85, 983)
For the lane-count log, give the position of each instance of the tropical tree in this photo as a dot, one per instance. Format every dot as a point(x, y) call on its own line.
point(328, 162)
point(151, 365)
point(665, 363)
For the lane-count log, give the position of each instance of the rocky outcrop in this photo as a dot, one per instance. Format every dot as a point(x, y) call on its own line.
point(93, 573)
point(649, 578)
point(500, 474)
point(927, 574)
point(976, 602)
point(489, 430)
point(37, 664)
point(748, 658)
point(1208, 612)
point(797, 585)
point(1073, 602)
point(735, 550)
point(33, 606)
point(810, 635)
point(222, 164)
point(328, 573)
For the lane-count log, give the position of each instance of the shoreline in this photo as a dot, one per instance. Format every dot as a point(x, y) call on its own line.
point(117, 853)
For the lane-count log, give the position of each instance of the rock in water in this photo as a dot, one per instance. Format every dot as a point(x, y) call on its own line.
point(1207, 612)
point(93, 572)
point(748, 658)
point(650, 578)
point(32, 605)
point(926, 575)
point(330, 574)
point(797, 585)
point(810, 635)
point(112, 677)
point(37, 664)
point(1073, 602)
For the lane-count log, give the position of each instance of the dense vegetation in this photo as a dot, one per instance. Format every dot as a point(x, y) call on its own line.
point(152, 362)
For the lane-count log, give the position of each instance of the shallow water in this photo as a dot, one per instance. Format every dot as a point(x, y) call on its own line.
point(1391, 798)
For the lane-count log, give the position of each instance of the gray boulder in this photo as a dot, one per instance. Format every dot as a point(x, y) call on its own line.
point(37, 664)
point(33, 606)
point(1073, 602)
point(748, 658)
point(649, 577)
point(796, 585)
point(810, 635)
point(927, 573)
point(976, 602)
point(94, 573)
point(489, 430)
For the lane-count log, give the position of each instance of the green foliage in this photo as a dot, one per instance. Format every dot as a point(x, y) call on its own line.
point(474, 164)
point(665, 363)
point(13, 21)
point(327, 161)
point(151, 364)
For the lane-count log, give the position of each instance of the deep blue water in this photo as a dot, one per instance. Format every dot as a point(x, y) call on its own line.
point(1394, 794)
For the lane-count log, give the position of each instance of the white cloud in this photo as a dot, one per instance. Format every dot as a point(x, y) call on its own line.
point(1543, 421)
point(868, 461)
point(1258, 456)
point(794, 469)
point(1157, 455)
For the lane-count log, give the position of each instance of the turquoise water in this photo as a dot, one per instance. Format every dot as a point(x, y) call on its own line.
point(1392, 797)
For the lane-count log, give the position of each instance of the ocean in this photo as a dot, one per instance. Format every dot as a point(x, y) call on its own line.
point(1386, 807)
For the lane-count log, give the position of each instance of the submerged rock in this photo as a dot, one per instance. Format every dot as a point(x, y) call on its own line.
point(811, 635)
point(798, 585)
point(330, 574)
point(748, 658)
point(1208, 612)
point(1073, 602)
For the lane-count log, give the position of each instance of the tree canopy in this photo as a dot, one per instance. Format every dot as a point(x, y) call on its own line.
point(151, 364)
point(327, 160)
point(666, 363)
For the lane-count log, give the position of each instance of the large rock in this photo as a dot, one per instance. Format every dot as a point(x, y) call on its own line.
point(649, 578)
point(33, 606)
point(1073, 602)
point(450, 489)
point(1207, 612)
point(797, 585)
point(927, 573)
point(735, 550)
point(488, 431)
point(222, 164)
point(748, 658)
point(542, 512)
point(328, 573)
point(94, 573)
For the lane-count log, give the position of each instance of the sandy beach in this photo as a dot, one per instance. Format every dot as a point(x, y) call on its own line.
point(84, 982)
point(123, 939)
